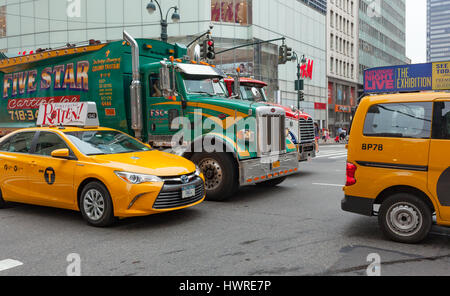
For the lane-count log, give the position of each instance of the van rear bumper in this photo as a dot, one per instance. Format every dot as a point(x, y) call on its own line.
point(358, 205)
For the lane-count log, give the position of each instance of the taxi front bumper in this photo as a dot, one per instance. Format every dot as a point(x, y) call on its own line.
point(147, 199)
point(258, 170)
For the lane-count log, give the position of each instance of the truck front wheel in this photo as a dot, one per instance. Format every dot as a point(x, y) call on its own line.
point(220, 174)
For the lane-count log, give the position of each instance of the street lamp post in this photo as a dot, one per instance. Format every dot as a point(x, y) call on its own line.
point(151, 8)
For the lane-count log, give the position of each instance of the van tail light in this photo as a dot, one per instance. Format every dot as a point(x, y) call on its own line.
point(351, 170)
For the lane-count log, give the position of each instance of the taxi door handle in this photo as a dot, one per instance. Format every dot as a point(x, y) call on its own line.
point(33, 163)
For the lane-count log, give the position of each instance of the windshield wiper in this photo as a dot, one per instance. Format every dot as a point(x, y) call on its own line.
point(204, 92)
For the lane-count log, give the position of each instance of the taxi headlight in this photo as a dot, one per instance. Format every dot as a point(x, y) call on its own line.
point(197, 171)
point(134, 178)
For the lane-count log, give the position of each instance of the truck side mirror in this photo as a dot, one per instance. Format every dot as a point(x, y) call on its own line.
point(164, 79)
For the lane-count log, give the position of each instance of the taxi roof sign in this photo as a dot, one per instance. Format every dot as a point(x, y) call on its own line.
point(82, 114)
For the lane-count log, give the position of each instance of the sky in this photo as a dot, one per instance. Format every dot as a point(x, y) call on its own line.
point(416, 30)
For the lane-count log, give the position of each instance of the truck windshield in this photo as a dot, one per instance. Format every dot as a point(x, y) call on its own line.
point(204, 86)
point(105, 142)
point(254, 94)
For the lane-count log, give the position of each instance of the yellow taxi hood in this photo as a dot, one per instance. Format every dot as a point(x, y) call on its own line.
point(155, 163)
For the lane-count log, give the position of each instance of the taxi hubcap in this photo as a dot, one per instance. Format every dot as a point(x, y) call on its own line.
point(212, 172)
point(94, 204)
point(404, 219)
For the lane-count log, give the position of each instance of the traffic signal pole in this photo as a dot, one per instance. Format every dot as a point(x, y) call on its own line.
point(250, 44)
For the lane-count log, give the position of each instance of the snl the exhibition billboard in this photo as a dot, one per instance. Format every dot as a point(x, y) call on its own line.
point(407, 78)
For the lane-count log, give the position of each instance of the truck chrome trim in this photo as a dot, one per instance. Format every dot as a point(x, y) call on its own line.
point(258, 170)
point(135, 88)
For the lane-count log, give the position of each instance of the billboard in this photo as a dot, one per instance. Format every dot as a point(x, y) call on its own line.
point(407, 78)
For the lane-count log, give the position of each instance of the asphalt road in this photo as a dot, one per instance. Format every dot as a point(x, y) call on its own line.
point(297, 228)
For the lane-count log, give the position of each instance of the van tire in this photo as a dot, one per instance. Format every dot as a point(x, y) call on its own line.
point(405, 218)
point(272, 182)
point(96, 190)
point(221, 180)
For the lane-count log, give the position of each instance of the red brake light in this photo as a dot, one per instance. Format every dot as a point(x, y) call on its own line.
point(351, 170)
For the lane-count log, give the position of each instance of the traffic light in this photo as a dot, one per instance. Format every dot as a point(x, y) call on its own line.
point(203, 47)
point(288, 53)
point(210, 50)
point(282, 55)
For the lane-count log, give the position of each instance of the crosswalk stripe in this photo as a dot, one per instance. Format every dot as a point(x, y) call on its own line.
point(340, 156)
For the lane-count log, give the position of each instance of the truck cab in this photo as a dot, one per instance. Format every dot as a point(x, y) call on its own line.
point(300, 125)
point(152, 90)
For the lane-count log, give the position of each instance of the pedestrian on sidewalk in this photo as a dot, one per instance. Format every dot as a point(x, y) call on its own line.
point(317, 136)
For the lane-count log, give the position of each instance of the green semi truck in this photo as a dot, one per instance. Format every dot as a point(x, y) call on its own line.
point(152, 90)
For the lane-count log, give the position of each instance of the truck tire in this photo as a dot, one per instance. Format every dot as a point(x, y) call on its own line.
point(221, 180)
point(405, 218)
point(272, 182)
point(96, 205)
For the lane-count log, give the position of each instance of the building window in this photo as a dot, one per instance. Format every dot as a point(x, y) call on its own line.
point(232, 11)
point(331, 41)
point(3, 21)
point(331, 64)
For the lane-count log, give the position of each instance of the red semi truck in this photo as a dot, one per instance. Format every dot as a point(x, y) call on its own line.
point(300, 125)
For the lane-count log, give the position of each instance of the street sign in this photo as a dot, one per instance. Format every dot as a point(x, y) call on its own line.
point(299, 84)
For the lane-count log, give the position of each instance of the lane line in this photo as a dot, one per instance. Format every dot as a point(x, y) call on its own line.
point(9, 263)
point(337, 157)
point(332, 155)
point(331, 185)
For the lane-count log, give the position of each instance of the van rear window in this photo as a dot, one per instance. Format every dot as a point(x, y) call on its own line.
point(399, 120)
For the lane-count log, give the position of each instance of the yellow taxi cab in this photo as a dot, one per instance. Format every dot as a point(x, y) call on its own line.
point(399, 163)
point(101, 172)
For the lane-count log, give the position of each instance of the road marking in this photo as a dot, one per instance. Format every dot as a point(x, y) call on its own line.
point(333, 155)
point(325, 184)
point(340, 156)
point(9, 263)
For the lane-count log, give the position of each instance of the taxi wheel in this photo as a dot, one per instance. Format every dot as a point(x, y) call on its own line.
point(96, 205)
point(405, 218)
point(2, 201)
point(220, 175)
point(272, 183)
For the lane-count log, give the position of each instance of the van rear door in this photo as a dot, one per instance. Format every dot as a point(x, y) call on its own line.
point(439, 163)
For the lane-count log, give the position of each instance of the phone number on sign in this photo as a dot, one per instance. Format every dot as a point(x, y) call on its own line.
point(23, 115)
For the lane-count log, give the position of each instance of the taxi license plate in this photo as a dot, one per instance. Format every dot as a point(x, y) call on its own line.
point(188, 191)
point(276, 165)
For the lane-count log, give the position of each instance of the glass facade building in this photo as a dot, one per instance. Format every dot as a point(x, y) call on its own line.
point(438, 30)
point(382, 34)
point(27, 25)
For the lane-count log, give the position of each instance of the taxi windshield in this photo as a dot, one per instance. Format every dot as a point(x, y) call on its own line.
point(105, 142)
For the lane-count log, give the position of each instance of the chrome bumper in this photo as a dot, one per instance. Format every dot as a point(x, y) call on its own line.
point(306, 151)
point(262, 169)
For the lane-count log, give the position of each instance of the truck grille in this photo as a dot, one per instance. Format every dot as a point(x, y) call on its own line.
point(171, 196)
point(306, 130)
point(272, 134)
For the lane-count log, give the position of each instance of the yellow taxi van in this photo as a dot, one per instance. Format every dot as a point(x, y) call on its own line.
point(398, 164)
point(101, 172)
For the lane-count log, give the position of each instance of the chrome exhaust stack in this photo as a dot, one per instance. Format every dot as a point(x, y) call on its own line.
point(135, 88)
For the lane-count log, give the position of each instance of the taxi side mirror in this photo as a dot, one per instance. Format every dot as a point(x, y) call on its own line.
point(61, 153)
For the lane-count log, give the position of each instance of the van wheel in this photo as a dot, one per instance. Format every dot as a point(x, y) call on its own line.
point(405, 218)
point(272, 183)
point(220, 175)
point(2, 201)
point(96, 205)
